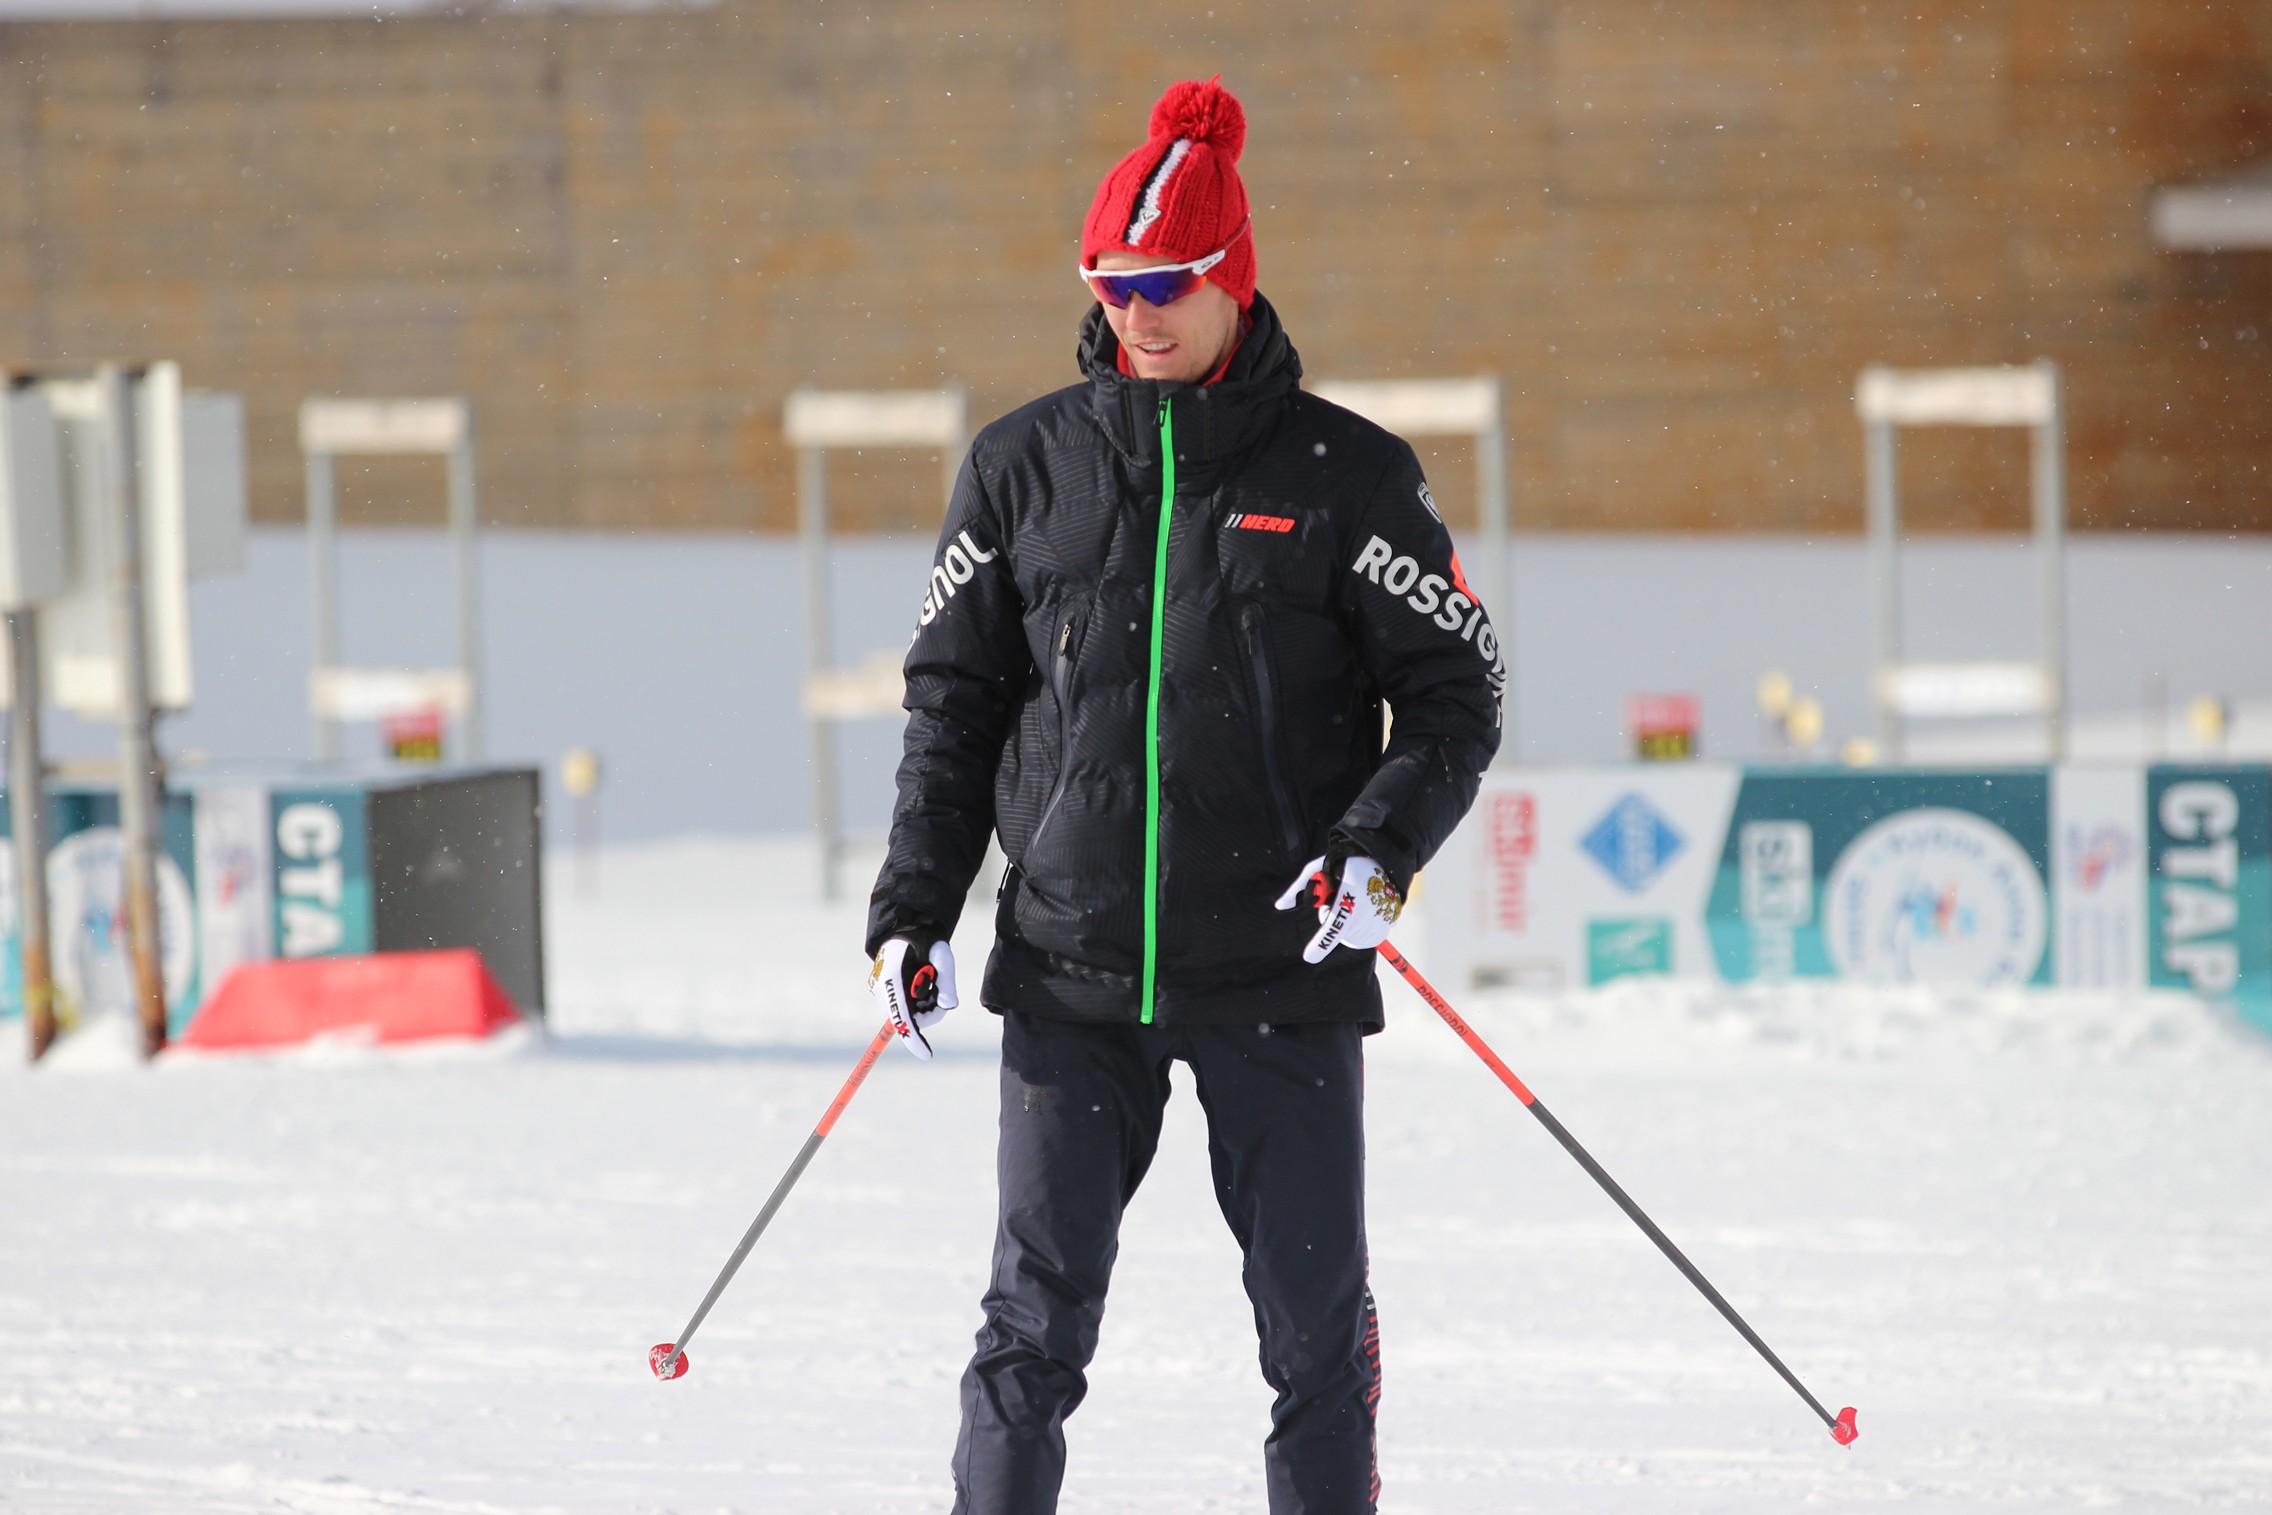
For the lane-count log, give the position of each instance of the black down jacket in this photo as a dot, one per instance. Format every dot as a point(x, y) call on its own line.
point(1166, 720)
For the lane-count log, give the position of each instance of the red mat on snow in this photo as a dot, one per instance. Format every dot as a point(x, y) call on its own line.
point(381, 997)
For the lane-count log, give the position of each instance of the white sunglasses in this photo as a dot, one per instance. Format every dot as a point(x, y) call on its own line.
point(1159, 286)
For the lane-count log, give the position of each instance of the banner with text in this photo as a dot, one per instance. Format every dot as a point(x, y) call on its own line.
point(2088, 876)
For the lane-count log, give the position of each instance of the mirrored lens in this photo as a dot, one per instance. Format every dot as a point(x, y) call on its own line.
point(1158, 286)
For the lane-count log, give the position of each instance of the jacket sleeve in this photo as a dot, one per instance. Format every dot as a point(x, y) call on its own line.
point(965, 672)
point(1426, 640)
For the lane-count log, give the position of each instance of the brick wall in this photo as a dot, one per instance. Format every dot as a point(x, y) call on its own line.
point(1678, 230)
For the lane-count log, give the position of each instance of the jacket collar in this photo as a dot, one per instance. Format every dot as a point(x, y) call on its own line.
point(1213, 422)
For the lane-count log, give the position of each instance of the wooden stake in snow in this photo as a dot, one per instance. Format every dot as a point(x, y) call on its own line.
point(138, 780)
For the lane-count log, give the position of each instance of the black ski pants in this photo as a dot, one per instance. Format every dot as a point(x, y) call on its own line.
point(1081, 1113)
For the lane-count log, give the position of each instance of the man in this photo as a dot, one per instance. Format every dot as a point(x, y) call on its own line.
point(1168, 606)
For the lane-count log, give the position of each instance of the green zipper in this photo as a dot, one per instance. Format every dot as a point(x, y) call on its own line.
point(1152, 715)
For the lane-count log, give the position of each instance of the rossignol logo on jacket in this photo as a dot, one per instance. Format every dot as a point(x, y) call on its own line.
point(1446, 601)
point(955, 567)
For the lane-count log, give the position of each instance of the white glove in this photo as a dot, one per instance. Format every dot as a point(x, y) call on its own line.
point(1357, 914)
point(915, 988)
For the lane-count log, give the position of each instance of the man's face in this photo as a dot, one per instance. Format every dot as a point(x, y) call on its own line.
point(1183, 342)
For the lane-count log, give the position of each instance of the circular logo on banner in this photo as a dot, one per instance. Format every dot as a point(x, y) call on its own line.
point(1935, 897)
point(87, 916)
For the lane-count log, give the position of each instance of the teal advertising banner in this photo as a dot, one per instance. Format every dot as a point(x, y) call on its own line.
point(86, 920)
point(2089, 876)
point(322, 882)
point(2209, 905)
point(258, 866)
point(1885, 877)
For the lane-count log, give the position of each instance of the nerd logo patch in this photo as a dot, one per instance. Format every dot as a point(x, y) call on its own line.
point(1259, 523)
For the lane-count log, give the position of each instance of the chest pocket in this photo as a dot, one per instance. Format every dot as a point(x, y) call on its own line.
point(1264, 684)
point(1069, 625)
point(1275, 555)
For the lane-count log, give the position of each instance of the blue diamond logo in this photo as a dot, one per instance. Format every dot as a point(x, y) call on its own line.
point(1632, 843)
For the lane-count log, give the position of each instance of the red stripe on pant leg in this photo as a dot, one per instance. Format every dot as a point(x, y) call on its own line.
point(1372, 1350)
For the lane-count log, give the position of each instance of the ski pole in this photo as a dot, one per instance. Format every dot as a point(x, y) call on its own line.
point(669, 1359)
point(1842, 1427)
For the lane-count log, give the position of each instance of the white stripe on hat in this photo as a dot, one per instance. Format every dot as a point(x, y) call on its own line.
point(1149, 210)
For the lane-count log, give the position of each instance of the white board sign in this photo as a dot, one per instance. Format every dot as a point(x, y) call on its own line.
point(189, 460)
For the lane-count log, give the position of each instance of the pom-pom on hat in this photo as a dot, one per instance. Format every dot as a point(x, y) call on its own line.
point(1179, 195)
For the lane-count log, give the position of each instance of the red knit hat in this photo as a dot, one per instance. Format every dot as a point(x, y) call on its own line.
point(1179, 196)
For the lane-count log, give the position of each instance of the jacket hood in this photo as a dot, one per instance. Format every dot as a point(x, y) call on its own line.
point(1230, 414)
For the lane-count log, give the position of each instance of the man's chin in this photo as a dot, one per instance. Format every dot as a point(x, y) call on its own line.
point(1170, 368)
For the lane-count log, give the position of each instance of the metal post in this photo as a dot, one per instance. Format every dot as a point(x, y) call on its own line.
point(464, 537)
point(323, 586)
point(1885, 576)
point(138, 797)
point(2048, 477)
point(812, 530)
point(27, 820)
point(812, 422)
point(1498, 563)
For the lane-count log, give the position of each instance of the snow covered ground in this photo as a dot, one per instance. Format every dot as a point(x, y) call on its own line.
point(2030, 1237)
